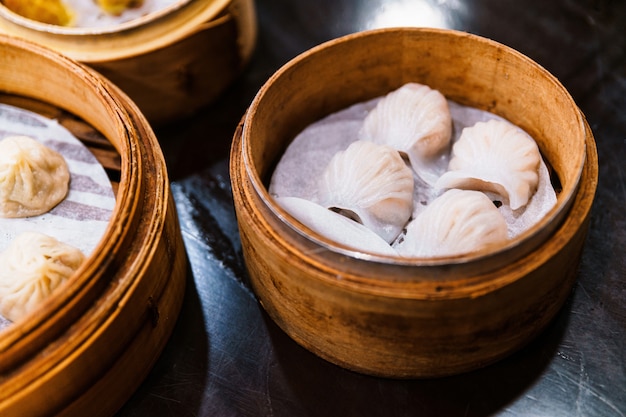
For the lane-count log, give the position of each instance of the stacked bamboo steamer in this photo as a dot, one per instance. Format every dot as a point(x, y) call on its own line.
point(412, 317)
point(87, 347)
point(170, 63)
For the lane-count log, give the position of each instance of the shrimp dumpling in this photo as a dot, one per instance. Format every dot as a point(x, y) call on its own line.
point(33, 177)
point(495, 156)
point(414, 119)
point(31, 268)
point(455, 223)
point(371, 184)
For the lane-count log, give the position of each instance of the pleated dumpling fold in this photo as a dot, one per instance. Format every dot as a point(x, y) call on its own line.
point(371, 184)
point(415, 120)
point(495, 156)
point(456, 223)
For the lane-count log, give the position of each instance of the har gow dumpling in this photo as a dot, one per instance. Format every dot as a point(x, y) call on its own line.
point(371, 184)
point(414, 119)
point(455, 223)
point(495, 156)
point(31, 268)
point(33, 177)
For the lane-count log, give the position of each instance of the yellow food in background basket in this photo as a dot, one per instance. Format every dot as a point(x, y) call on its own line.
point(53, 12)
point(118, 6)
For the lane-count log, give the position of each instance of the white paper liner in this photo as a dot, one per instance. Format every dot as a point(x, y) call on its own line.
point(304, 160)
point(82, 217)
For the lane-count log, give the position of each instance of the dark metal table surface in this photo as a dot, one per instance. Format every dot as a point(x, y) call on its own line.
point(227, 358)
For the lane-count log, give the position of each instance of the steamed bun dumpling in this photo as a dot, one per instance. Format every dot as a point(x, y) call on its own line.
point(33, 177)
point(495, 156)
point(414, 119)
point(371, 184)
point(31, 268)
point(455, 223)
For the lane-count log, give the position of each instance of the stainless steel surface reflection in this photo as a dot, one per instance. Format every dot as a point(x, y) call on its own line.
point(226, 358)
point(408, 13)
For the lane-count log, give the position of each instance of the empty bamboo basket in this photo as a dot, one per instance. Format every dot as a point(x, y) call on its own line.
point(412, 317)
point(170, 63)
point(89, 346)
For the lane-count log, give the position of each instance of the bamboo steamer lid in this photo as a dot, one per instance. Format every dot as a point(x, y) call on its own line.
point(170, 63)
point(413, 317)
point(89, 346)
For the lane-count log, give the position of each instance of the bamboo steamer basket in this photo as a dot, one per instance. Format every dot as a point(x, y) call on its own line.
point(170, 63)
point(89, 346)
point(411, 318)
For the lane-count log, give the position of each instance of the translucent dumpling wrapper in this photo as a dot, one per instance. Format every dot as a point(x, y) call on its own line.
point(456, 223)
point(370, 184)
point(335, 227)
point(32, 267)
point(33, 177)
point(495, 156)
point(415, 120)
